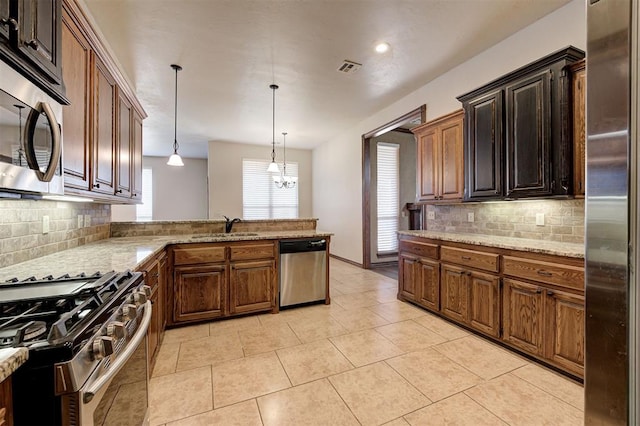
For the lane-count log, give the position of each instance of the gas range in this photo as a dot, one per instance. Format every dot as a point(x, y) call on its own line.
point(81, 332)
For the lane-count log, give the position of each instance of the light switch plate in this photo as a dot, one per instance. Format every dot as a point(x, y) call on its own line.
point(431, 215)
point(87, 220)
point(539, 219)
point(45, 224)
point(471, 217)
point(80, 221)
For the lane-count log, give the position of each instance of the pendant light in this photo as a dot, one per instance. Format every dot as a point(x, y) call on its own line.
point(273, 167)
point(284, 181)
point(175, 159)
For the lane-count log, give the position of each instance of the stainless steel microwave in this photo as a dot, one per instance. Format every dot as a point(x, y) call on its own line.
point(30, 138)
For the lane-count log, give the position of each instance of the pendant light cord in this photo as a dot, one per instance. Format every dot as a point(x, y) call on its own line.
point(273, 124)
point(175, 115)
point(284, 153)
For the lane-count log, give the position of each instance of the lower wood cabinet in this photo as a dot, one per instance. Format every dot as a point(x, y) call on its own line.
point(429, 284)
point(155, 276)
point(409, 277)
point(523, 315)
point(251, 286)
point(6, 403)
point(200, 292)
point(455, 293)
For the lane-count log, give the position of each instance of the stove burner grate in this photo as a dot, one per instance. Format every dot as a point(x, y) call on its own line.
point(25, 332)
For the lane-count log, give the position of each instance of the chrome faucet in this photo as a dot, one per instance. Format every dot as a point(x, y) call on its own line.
point(229, 223)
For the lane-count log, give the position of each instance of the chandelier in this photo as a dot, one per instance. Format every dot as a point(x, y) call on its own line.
point(284, 181)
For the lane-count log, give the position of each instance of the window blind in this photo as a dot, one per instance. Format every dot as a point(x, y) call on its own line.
point(388, 189)
point(261, 199)
point(144, 211)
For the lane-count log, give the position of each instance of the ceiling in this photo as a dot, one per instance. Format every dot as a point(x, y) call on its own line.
point(232, 50)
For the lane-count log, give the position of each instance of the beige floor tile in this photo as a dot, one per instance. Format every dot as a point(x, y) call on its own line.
point(180, 395)
point(480, 356)
point(559, 386)
point(440, 326)
point(167, 359)
point(397, 422)
point(189, 332)
point(365, 347)
point(434, 374)
point(266, 339)
point(457, 410)
point(397, 311)
point(358, 319)
point(246, 378)
point(377, 394)
point(354, 300)
point(241, 414)
point(209, 350)
point(384, 295)
point(409, 336)
point(315, 403)
point(217, 328)
point(316, 328)
point(518, 402)
point(312, 361)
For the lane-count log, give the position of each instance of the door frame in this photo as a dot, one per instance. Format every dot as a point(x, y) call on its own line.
point(420, 112)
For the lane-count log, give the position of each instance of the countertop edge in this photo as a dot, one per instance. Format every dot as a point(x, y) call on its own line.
point(11, 360)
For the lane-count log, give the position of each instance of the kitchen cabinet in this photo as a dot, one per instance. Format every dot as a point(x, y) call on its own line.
point(6, 403)
point(136, 157)
point(579, 89)
point(455, 293)
point(517, 132)
point(419, 274)
point(30, 41)
point(124, 147)
point(155, 277)
point(409, 274)
point(104, 137)
point(440, 158)
point(218, 280)
point(523, 315)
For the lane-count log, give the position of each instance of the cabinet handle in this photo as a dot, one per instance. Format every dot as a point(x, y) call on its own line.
point(97, 185)
point(550, 293)
point(468, 273)
point(465, 257)
point(135, 195)
point(544, 273)
point(11, 23)
point(33, 44)
point(538, 291)
point(118, 191)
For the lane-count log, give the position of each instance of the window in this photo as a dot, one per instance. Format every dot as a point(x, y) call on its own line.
point(388, 188)
point(144, 211)
point(261, 199)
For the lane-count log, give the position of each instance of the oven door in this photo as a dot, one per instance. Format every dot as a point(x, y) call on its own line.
point(120, 396)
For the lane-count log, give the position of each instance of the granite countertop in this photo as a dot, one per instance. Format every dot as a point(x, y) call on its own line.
point(11, 359)
point(120, 254)
point(529, 245)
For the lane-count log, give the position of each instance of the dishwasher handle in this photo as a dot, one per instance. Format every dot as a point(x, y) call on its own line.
point(301, 246)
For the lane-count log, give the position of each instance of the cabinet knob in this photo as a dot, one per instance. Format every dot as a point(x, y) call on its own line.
point(10, 22)
point(33, 44)
point(538, 291)
point(97, 185)
point(550, 293)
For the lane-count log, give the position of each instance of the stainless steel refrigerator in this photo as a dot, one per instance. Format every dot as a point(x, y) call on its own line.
point(612, 231)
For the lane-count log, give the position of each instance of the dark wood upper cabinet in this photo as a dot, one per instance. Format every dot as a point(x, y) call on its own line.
point(5, 16)
point(518, 132)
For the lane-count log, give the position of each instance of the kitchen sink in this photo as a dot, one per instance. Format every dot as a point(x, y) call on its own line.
point(224, 235)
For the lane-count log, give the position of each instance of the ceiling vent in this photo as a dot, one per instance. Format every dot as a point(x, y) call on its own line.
point(349, 67)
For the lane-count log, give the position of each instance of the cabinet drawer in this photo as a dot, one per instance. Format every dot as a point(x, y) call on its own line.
point(547, 272)
point(420, 249)
point(252, 251)
point(474, 259)
point(195, 255)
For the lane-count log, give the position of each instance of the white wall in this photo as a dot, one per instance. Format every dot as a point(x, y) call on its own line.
point(179, 193)
point(337, 164)
point(225, 176)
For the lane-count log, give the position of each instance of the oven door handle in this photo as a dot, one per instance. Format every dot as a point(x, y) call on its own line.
point(124, 356)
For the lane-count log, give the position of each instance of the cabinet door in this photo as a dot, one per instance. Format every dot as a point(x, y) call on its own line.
point(528, 124)
point(429, 284)
point(579, 131)
point(153, 336)
point(565, 330)
point(454, 302)
point(39, 35)
point(162, 289)
point(136, 157)
point(409, 270)
point(252, 286)
point(428, 165)
point(103, 175)
point(200, 292)
point(76, 54)
point(483, 152)
point(124, 148)
point(523, 305)
point(484, 313)
point(6, 403)
point(451, 157)
point(5, 15)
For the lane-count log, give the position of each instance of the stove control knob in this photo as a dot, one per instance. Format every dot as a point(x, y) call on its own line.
point(115, 330)
point(129, 312)
point(102, 347)
point(139, 298)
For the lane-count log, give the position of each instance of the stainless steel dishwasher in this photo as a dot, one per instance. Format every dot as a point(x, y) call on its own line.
point(303, 271)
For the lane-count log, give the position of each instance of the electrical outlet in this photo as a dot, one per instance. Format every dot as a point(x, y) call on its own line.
point(539, 219)
point(470, 217)
point(431, 215)
point(80, 221)
point(45, 224)
point(87, 220)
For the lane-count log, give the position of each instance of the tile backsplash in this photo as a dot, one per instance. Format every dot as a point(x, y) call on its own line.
point(563, 219)
point(21, 226)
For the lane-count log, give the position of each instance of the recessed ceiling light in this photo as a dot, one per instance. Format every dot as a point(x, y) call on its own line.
point(382, 47)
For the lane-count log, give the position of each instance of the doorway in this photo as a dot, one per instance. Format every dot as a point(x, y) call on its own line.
point(395, 132)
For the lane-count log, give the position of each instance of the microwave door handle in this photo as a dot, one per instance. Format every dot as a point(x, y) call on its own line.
point(123, 357)
point(56, 142)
